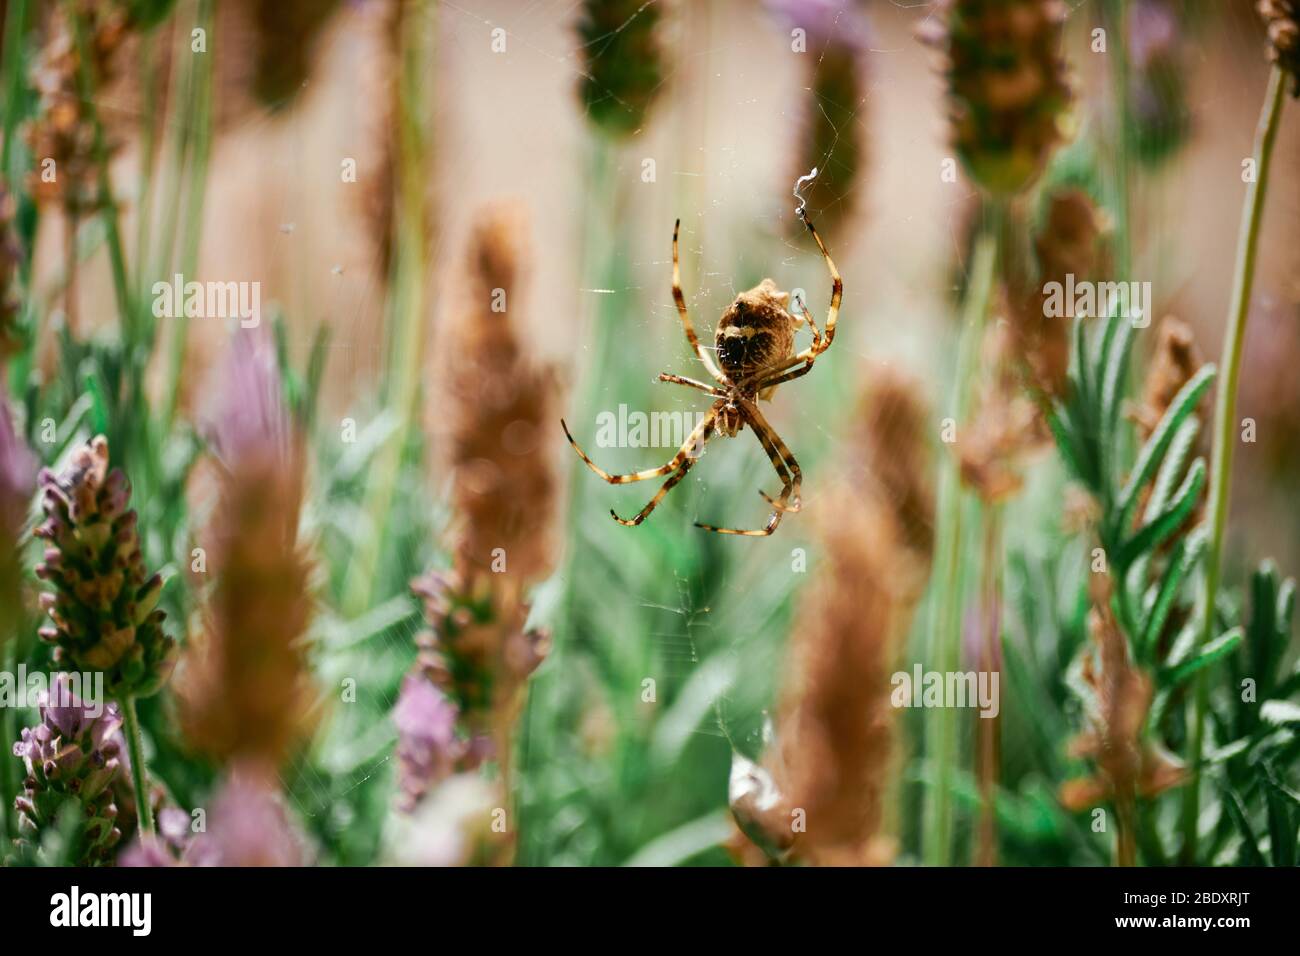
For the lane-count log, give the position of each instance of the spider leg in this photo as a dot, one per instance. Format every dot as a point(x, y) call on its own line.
point(807, 317)
point(764, 435)
point(672, 465)
point(767, 433)
point(785, 377)
point(771, 442)
point(701, 434)
point(682, 380)
point(837, 293)
point(680, 299)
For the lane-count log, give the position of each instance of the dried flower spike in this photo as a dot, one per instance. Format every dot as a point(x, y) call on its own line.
point(1282, 17)
point(103, 606)
point(1006, 85)
point(1070, 242)
point(243, 689)
point(1175, 360)
point(477, 655)
point(833, 752)
point(1129, 765)
point(62, 130)
point(71, 759)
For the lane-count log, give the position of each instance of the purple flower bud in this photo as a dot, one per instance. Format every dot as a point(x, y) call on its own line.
point(99, 621)
point(427, 746)
point(70, 754)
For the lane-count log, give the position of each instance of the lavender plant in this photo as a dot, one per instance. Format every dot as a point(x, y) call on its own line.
point(71, 758)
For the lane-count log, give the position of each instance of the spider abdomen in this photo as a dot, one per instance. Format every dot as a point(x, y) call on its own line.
point(756, 333)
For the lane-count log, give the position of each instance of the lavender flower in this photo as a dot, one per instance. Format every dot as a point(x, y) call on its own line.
point(71, 758)
point(1007, 87)
point(837, 22)
point(248, 420)
point(248, 826)
point(103, 606)
point(1158, 93)
point(622, 63)
point(427, 746)
point(168, 847)
point(244, 690)
point(833, 123)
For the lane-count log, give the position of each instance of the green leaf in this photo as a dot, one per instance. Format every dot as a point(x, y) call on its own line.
point(1186, 553)
point(1154, 450)
point(1280, 713)
point(1286, 606)
point(1083, 389)
point(1170, 677)
point(1065, 444)
point(1172, 466)
point(1115, 362)
point(315, 375)
point(1281, 825)
point(1151, 535)
point(1250, 854)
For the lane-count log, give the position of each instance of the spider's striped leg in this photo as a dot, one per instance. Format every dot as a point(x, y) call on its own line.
point(793, 478)
point(682, 380)
point(837, 293)
point(680, 299)
point(672, 464)
point(768, 434)
point(812, 324)
point(773, 522)
point(764, 435)
point(785, 377)
point(702, 433)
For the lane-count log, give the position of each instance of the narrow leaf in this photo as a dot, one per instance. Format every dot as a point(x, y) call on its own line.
point(1281, 825)
point(1154, 449)
point(1250, 854)
point(1184, 558)
point(1172, 466)
point(1215, 650)
point(1151, 535)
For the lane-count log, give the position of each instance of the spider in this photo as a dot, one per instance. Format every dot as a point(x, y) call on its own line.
point(755, 346)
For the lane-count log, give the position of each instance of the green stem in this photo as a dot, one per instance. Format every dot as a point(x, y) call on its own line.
point(199, 93)
point(407, 313)
point(135, 750)
point(541, 730)
point(1120, 68)
point(1225, 413)
point(13, 77)
point(148, 154)
point(8, 762)
point(108, 208)
point(181, 87)
point(945, 631)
